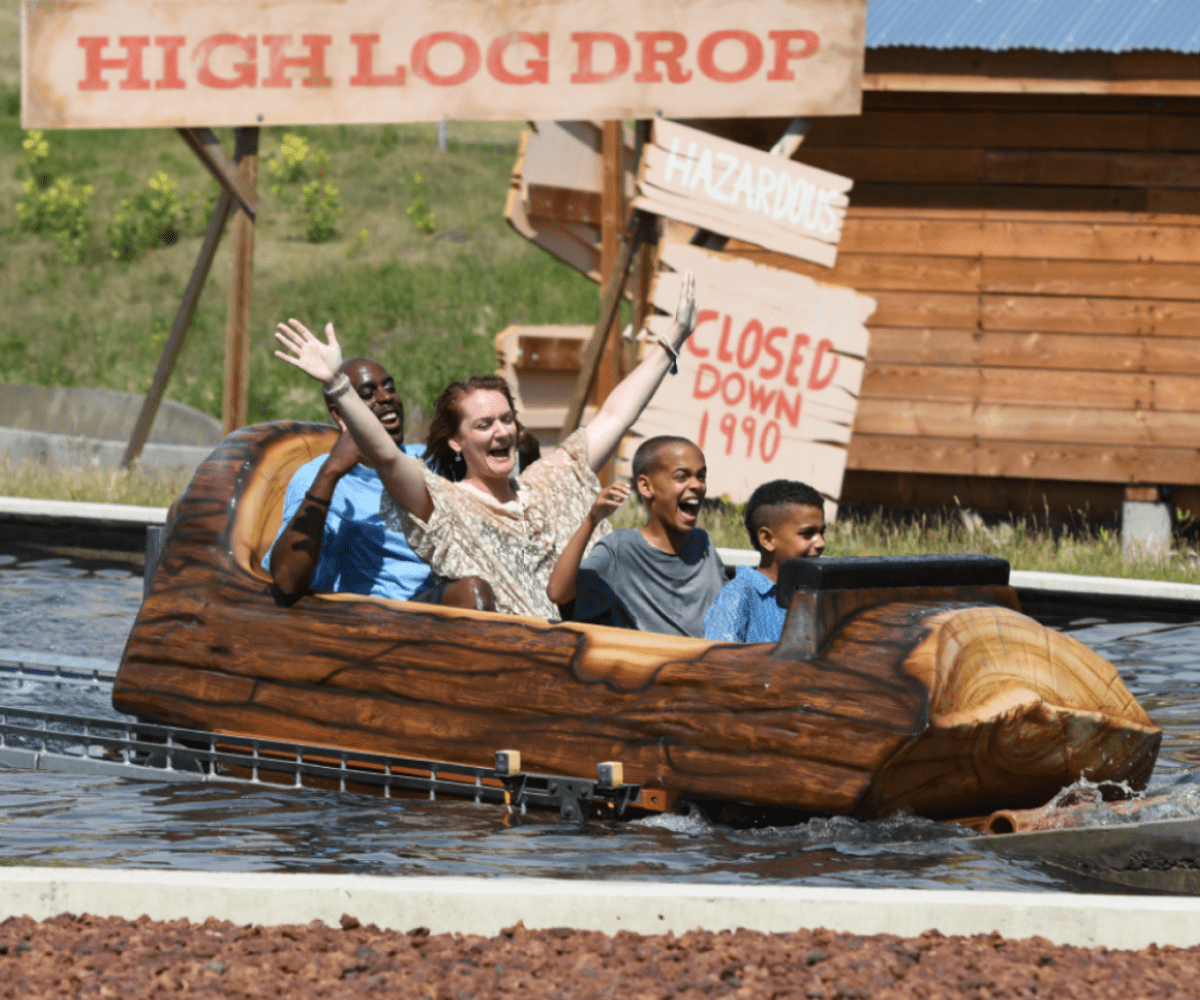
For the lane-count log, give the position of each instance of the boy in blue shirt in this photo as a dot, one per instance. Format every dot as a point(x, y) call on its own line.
point(785, 520)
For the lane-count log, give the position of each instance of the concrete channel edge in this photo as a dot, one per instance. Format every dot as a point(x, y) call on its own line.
point(487, 905)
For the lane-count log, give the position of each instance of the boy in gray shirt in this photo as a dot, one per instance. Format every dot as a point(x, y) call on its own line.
point(658, 578)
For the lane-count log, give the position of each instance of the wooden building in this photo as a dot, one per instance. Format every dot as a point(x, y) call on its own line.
point(1027, 222)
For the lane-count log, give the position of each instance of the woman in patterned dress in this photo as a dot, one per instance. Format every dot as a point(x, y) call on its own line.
point(490, 523)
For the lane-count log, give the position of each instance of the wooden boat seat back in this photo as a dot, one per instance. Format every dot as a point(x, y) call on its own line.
point(260, 509)
point(966, 569)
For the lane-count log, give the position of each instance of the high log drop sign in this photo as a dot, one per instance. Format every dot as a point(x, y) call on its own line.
point(147, 63)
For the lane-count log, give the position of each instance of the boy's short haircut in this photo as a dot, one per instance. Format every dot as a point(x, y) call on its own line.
point(776, 493)
point(647, 455)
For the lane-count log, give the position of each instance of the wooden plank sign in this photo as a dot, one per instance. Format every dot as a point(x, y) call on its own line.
point(768, 384)
point(151, 63)
point(739, 191)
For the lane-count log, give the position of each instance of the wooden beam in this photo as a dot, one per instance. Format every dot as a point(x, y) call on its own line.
point(205, 144)
point(1030, 71)
point(612, 223)
point(1023, 459)
point(635, 234)
point(235, 399)
point(183, 319)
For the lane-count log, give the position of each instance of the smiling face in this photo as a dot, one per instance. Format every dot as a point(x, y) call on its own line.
point(675, 485)
point(376, 388)
point(793, 531)
point(487, 435)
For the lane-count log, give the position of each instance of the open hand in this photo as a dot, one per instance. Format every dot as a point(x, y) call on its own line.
point(686, 312)
point(610, 498)
point(306, 352)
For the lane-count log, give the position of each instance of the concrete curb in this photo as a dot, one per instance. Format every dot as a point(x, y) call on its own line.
point(72, 452)
point(72, 513)
point(484, 906)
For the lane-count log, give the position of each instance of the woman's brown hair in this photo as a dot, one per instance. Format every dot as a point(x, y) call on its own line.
point(448, 415)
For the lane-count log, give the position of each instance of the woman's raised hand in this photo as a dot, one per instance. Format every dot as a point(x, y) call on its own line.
point(306, 352)
point(686, 312)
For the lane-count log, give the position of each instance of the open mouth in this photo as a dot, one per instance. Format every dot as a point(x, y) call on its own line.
point(389, 419)
point(690, 508)
point(500, 454)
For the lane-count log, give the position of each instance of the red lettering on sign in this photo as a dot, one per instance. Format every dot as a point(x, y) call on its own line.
point(93, 64)
point(794, 362)
point(365, 77)
point(315, 61)
point(539, 69)
point(703, 430)
point(792, 412)
point(814, 382)
point(586, 40)
point(753, 327)
point(723, 347)
point(760, 399)
point(170, 44)
point(728, 427)
point(784, 53)
point(762, 444)
point(246, 71)
point(669, 57)
point(704, 317)
point(773, 334)
point(725, 388)
point(706, 369)
point(470, 55)
point(750, 65)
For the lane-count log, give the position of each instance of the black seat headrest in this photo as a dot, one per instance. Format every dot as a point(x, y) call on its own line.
point(877, 572)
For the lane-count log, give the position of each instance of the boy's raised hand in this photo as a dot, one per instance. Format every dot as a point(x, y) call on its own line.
point(306, 352)
point(610, 498)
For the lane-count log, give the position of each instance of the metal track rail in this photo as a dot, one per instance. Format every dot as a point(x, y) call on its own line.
point(55, 668)
point(143, 751)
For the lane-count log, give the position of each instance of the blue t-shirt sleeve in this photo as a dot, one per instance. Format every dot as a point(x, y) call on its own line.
point(300, 484)
point(729, 616)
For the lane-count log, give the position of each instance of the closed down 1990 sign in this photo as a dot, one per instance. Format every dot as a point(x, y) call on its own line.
point(141, 63)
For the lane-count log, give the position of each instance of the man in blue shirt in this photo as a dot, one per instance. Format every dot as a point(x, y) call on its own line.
point(333, 537)
point(785, 520)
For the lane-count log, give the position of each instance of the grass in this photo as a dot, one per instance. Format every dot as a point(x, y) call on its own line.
point(1082, 548)
point(48, 482)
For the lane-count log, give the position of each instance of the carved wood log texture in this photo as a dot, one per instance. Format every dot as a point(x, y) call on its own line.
point(946, 701)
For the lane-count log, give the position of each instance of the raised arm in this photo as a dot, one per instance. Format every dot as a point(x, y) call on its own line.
point(628, 399)
point(561, 588)
point(403, 477)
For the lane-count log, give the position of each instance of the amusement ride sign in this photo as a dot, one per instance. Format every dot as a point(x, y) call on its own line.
point(142, 63)
point(768, 384)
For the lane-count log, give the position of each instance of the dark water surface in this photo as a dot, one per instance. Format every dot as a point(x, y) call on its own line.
point(82, 608)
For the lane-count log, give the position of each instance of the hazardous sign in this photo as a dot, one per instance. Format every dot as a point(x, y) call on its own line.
point(111, 63)
point(768, 384)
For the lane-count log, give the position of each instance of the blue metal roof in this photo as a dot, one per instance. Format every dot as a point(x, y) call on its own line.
point(1053, 25)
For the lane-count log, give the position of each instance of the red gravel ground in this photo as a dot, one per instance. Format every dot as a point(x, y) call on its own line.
point(86, 956)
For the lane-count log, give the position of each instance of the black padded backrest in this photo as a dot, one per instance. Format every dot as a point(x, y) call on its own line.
point(876, 572)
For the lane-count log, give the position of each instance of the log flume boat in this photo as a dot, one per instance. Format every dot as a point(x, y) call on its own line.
point(898, 683)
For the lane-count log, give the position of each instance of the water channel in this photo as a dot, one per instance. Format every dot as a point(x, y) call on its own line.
point(85, 607)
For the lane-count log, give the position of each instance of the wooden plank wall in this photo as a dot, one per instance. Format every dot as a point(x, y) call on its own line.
point(1036, 260)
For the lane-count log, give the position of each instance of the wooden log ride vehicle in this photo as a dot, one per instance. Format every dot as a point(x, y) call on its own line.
point(911, 682)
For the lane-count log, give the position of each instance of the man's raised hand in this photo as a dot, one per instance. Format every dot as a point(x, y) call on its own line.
point(306, 352)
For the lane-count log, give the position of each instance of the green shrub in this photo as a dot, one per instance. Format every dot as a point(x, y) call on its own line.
point(323, 209)
point(60, 211)
point(37, 152)
point(418, 208)
point(288, 166)
point(154, 217)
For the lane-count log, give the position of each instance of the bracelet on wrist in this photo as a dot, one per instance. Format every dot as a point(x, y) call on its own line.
point(337, 388)
point(316, 499)
point(666, 346)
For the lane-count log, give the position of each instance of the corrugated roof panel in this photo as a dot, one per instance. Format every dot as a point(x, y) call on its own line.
point(1053, 25)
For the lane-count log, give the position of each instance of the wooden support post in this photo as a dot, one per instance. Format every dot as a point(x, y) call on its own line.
point(235, 399)
point(636, 233)
point(179, 329)
point(612, 223)
point(207, 147)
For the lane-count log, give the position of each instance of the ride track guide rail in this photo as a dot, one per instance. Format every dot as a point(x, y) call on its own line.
point(73, 744)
